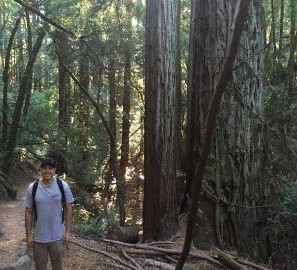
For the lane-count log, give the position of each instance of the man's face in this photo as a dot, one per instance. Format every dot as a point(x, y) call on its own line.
point(47, 172)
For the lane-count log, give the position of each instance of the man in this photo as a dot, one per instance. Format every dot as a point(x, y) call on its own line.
point(52, 223)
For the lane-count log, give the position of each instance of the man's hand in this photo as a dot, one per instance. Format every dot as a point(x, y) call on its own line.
point(66, 238)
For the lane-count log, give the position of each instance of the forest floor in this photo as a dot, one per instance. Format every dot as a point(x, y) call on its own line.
point(94, 254)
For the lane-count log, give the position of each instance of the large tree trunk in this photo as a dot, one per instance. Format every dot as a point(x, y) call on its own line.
point(237, 165)
point(160, 202)
point(230, 179)
point(214, 52)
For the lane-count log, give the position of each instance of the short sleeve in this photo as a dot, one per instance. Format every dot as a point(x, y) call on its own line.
point(68, 193)
point(28, 201)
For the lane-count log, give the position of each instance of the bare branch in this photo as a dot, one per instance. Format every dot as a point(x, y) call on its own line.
point(45, 18)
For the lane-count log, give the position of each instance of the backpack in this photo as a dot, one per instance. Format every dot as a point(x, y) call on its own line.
point(63, 200)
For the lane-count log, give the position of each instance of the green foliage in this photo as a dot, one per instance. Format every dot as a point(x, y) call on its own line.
point(43, 107)
point(90, 224)
point(94, 226)
point(186, 267)
point(8, 186)
point(11, 7)
point(40, 126)
point(290, 201)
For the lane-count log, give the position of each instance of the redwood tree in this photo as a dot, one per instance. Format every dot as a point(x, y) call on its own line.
point(216, 37)
point(161, 73)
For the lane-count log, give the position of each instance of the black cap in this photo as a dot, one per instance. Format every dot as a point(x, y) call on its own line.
point(49, 162)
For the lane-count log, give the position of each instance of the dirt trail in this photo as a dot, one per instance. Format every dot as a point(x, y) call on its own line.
point(12, 228)
point(12, 231)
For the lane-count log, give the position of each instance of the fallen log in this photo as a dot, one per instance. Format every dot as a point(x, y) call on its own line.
point(159, 264)
point(244, 262)
point(229, 261)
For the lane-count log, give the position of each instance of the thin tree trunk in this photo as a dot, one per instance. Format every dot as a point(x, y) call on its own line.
point(292, 95)
point(126, 110)
point(6, 82)
point(113, 154)
point(189, 164)
point(30, 81)
point(20, 103)
point(112, 123)
point(273, 29)
point(64, 81)
point(83, 116)
point(281, 29)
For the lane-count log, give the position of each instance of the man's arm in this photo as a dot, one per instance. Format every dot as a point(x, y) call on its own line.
point(68, 222)
point(28, 227)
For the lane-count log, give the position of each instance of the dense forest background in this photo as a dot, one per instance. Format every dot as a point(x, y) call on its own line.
point(120, 93)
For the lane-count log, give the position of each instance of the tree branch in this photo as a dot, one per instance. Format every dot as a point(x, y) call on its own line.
point(50, 21)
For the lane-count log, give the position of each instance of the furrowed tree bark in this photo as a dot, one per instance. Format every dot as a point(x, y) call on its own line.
point(210, 124)
point(160, 215)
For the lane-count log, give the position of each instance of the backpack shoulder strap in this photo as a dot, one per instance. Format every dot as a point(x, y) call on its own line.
point(61, 187)
point(63, 200)
point(34, 189)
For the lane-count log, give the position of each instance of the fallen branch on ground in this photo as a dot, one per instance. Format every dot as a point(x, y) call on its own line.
point(163, 250)
point(159, 264)
point(132, 260)
point(164, 243)
point(200, 256)
point(250, 264)
point(146, 250)
point(115, 258)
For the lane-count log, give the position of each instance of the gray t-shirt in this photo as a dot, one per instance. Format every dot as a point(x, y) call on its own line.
point(48, 227)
